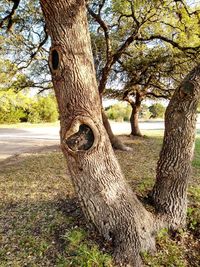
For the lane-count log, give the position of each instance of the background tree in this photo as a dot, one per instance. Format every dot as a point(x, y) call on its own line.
point(105, 196)
point(149, 73)
point(137, 38)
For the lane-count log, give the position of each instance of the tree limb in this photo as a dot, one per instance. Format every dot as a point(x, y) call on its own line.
point(188, 49)
point(105, 28)
point(9, 17)
point(41, 43)
point(157, 96)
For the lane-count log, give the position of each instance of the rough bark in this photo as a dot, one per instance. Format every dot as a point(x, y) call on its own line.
point(174, 166)
point(115, 141)
point(134, 119)
point(104, 195)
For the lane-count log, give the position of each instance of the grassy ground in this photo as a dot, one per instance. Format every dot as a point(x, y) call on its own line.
point(41, 223)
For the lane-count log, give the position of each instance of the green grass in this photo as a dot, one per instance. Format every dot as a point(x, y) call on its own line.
point(41, 223)
point(196, 161)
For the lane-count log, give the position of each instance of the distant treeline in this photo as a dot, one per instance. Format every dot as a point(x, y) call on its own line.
point(19, 107)
point(122, 111)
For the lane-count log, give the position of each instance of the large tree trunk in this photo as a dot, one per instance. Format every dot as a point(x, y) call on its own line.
point(115, 141)
point(174, 166)
point(104, 195)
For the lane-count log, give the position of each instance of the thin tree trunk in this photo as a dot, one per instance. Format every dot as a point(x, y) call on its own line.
point(115, 141)
point(104, 195)
point(174, 166)
point(134, 120)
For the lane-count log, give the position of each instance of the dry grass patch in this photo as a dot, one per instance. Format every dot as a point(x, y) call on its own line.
point(41, 223)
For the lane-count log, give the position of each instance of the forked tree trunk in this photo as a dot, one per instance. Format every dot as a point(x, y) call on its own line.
point(104, 195)
point(115, 141)
point(174, 166)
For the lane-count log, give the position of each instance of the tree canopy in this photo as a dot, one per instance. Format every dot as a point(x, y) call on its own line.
point(141, 38)
point(24, 41)
point(163, 35)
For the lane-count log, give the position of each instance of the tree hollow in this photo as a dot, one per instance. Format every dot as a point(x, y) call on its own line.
point(81, 140)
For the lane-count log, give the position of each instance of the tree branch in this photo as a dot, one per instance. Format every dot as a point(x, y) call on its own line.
point(187, 49)
point(101, 5)
point(41, 43)
point(105, 28)
point(111, 58)
point(9, 17)
point(157, 96)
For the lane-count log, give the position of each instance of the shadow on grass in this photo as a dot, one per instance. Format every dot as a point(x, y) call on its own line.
point(35, 234)
point(41, 223)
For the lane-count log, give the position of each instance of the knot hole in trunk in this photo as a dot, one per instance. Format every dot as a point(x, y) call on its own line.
point(55, 59)
point(187, 89)
point(82, 140)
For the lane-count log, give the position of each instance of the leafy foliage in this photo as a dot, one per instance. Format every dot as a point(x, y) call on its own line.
point(157, 110)
point(43, 109)
point(122, 111)
point(12, 106)
point(146, 46)
point(159, 35)
point(144, 112)
point(119, 112)
point(26, 44)
point(18, 107)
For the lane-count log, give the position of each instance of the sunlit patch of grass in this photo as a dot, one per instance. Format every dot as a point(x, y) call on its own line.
point(170, 253)
point(154, 133)
point(37, 177)
point(196, 161)
point(80, 252)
